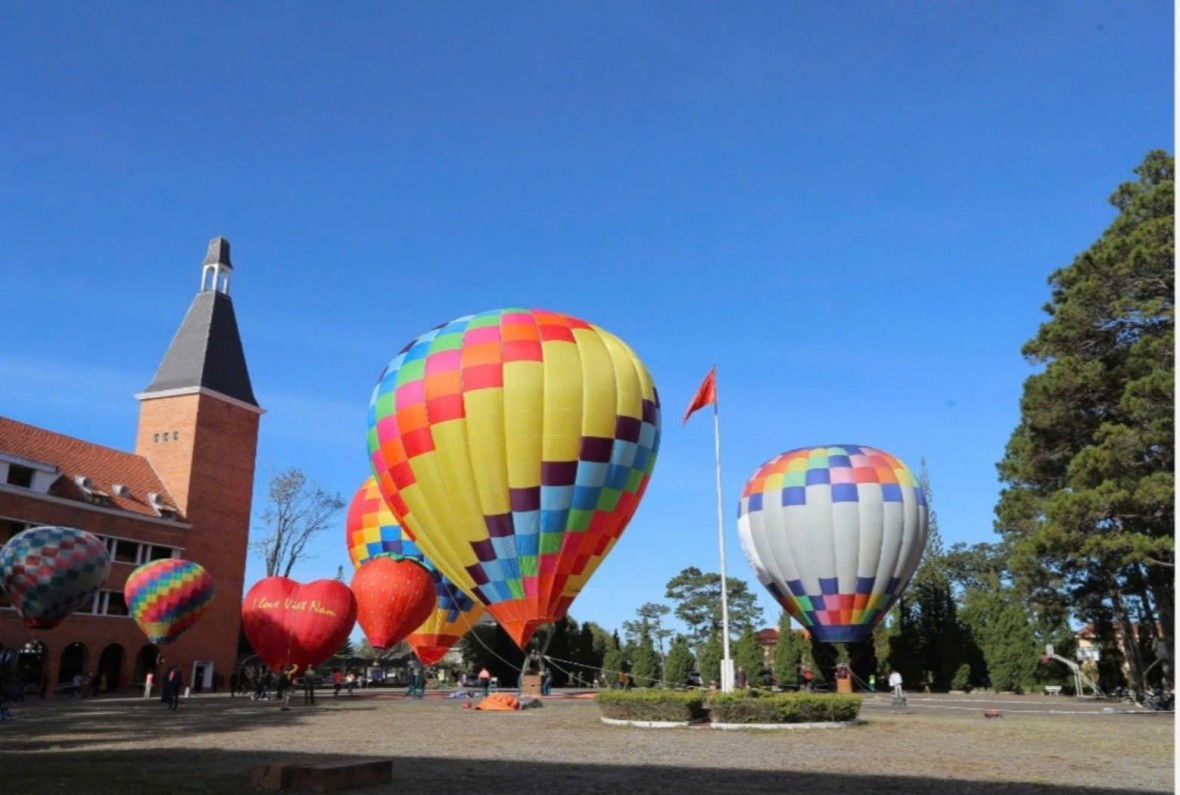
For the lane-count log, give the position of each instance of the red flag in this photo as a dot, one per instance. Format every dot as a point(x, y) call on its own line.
point(706, 394)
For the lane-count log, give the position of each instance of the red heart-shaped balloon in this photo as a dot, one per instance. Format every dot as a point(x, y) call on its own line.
point(292, 624)
point(394, 596)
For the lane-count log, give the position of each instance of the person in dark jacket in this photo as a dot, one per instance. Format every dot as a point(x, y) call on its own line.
point(173, 684)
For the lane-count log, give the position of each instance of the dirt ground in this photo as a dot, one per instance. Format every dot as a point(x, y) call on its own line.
point(211, 745)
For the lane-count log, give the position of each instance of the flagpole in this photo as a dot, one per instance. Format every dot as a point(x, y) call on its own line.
point(726, 662)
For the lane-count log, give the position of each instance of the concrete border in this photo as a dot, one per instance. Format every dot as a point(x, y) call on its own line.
point(648, 724)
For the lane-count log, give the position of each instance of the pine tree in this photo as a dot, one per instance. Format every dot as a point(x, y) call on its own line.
point(1001, 627)
point(1089, 498)
point(645, 662)
point(930, 630)
point(680, 662)
point(710, 659)
point(747, 653)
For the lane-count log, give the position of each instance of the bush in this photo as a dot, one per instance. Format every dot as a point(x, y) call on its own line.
point(962, 678)
point(653, 705)
point(753, 706)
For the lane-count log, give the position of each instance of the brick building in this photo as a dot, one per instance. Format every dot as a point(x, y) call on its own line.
point(184, 492)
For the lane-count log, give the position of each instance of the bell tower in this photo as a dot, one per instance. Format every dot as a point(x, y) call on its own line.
point(198, 428)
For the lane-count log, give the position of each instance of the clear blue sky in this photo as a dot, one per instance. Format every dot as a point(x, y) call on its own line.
point(850, 207)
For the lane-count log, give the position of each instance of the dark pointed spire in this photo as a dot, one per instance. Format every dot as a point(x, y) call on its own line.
point(207, 349)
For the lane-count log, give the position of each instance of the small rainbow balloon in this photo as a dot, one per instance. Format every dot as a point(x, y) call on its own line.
point(166, 597)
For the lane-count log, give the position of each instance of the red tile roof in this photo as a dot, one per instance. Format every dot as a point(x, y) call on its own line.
point(104, 466)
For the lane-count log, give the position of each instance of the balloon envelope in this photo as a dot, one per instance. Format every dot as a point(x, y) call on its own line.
point(290, 623)
point(514, 446)
point(48, 572)
point(166, 597)
point(835, 534)
point(394, 595)
point(370, 530)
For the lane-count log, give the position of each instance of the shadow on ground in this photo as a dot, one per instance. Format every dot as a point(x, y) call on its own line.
point(217, 772)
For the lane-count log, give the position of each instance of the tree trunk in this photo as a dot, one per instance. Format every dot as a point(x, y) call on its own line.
point(1130, 641)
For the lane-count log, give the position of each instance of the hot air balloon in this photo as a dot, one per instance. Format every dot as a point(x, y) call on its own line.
point(371, 530)
point(834, 533)
point(291, 623)
point(514, 447)
point(166, 597)
point(394, 595)
point(48, 572)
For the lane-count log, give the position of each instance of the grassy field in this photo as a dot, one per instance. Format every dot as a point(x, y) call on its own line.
point(212, 744)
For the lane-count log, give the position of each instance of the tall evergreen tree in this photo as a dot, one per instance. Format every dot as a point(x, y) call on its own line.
point(1000, 625)
point(1089, 497)
point(710, 659)
point(645, 662)
point(748, 654)
point(931, 632)
point(680, 661)
point(789, 652)
point(697, 596)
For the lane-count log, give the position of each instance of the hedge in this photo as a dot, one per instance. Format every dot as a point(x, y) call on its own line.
point(754, 706)
point(653, 705)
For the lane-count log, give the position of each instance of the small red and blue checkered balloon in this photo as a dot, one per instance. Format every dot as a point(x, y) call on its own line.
point(835, 534)
point(514, 446)
point(49, 572)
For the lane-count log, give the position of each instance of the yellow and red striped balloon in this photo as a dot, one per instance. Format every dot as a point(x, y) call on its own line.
point(514, 447)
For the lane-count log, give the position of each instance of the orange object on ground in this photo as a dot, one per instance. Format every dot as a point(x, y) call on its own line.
point(499, 702)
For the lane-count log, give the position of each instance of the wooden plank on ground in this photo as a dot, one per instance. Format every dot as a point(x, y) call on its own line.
point(344, 774)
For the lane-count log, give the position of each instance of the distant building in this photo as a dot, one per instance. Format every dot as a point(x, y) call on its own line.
point(184, 492)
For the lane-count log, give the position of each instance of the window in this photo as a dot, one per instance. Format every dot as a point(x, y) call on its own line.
point(126, 551)
point(9, 528)
point(20, 476)
point(115, 604)
point(155, 437)
point(175, 435)
point(160, 553)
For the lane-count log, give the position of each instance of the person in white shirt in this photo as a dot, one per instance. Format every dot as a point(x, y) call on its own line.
point(895, 683)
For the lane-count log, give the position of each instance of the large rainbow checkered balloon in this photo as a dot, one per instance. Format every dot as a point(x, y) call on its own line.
point(514, 446)
point(48, 572)
point(370, 530)
point(835, 533)
point(168, 596)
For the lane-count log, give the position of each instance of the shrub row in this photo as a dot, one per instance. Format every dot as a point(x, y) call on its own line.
point(754, 706)
point(654, 705)
point(743, 706)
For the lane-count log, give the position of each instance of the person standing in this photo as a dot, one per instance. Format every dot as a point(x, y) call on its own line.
point(337, 681)
point(173, 683)
point(283, 689)
point(742, 681)
point(147, 684)
point(895, 683)
point(309, 686)
point(485, 680)
point(546, 681)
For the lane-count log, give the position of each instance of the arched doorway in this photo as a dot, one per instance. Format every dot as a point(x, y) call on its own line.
point(146, 661)
point(33, 666)
point(110, 668)
point(73, 663)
